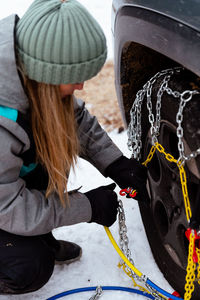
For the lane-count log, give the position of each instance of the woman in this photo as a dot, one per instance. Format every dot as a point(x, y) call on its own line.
point(44, 57)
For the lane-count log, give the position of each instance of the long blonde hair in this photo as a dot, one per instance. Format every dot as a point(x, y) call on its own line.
point(54, 133)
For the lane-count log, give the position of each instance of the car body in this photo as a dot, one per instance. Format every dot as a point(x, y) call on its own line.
point(157, 29)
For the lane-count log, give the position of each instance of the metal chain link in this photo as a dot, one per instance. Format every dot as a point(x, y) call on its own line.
point(154, 293)
point(124, 245)
point(185, 97)
point(155, 128)
point(98, 293)
point(123, 238)
point(135, 128)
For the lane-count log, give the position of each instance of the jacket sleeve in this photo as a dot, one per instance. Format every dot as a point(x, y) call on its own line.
point(96, 146)
point(28, 212)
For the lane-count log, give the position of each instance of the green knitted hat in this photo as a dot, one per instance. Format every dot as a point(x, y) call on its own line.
point(59, 42)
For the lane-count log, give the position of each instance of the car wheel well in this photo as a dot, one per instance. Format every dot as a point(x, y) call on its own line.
point(138, 64)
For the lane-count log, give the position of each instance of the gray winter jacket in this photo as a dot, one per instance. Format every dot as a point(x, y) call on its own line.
point(25, 211)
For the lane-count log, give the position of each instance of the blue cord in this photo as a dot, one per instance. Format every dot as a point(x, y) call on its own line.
point(104, 288)
point(161, 291)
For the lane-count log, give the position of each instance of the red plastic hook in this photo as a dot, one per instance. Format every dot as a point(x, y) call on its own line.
point(128, 191)
point(196, 242)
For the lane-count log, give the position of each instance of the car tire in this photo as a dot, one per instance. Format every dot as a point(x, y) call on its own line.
point(165, 220)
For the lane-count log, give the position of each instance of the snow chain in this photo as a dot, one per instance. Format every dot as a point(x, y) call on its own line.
point(98, 293)
point(182, 173)
point(135, 144)
point(190, 277)
point(124, 245)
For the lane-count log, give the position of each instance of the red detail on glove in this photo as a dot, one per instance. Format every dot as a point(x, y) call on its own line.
point(196, 243)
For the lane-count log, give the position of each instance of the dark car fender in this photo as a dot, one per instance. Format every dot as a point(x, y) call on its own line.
point(160, 29)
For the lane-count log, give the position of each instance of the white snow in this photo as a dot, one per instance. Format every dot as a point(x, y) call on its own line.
point(98, 265)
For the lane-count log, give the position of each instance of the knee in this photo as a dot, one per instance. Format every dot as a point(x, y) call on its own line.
point(38, 271)
point(29, 271)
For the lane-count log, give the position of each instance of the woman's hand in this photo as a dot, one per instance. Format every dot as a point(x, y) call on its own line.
point(104, 204)
point(129, 173)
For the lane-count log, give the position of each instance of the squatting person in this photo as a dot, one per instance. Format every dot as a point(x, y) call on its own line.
point(44, 57)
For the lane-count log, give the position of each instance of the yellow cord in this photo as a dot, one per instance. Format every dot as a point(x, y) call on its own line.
point(121, 254)
point(128, 263)
point(129, 274)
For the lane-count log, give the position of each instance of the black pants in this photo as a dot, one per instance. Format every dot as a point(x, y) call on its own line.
point(26, 263)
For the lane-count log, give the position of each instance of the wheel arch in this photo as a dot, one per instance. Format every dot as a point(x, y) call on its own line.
point(145, 42)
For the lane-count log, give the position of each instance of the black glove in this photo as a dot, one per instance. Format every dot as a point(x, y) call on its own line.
point(104, 204)
point(130, 173)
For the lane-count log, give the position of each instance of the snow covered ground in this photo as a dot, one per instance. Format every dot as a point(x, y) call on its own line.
point(98, 265)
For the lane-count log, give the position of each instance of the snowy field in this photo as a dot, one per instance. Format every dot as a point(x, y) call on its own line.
point(98, 265)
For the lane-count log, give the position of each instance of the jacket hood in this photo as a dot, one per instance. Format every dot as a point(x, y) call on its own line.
point(11, 90)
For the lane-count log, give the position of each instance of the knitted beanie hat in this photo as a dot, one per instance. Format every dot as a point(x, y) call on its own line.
point(59, 42)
